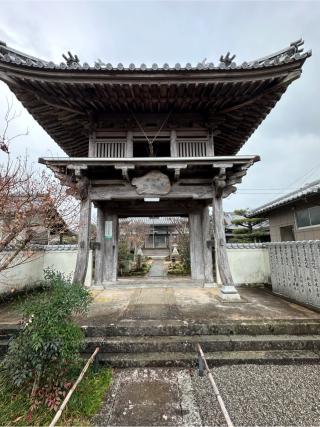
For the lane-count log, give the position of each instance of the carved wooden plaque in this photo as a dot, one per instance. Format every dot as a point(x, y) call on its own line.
point(153, 183)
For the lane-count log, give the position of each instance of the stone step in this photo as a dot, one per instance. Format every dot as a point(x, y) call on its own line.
point(158, 328)
point(178, 344)
point(7, 330)
point(210, 343)
point(185, 328)
point(171, 359)
point(3, 346)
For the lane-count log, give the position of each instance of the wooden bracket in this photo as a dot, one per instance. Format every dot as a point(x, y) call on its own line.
point(220, 182)
point(177, 169)
point(82, 188)
point(77, 169)
point(124, 170)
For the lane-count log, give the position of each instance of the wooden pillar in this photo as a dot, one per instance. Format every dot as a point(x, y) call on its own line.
point(129, 148)
point(207, 251)
point(116, 247)
point(210, 146)
point(173, 144)
point(228, 290)
point(92, 145)
point(196, 246)
point(83, 241)
point(99, 251)
point(111, 248)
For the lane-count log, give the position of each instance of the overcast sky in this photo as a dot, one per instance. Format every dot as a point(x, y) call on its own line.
point(288, 141)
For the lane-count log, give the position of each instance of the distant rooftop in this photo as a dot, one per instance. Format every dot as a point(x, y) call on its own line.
point(305, 191)
point(160, 220)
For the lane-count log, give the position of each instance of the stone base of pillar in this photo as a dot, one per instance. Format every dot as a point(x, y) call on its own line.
point(229, 294)
point(210, 285)
point(107, 284)
point(96, 287)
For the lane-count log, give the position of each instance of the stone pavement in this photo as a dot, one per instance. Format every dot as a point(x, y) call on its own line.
point(158, 268)
point(180, 304)
point(150, 397)
point(189, 304)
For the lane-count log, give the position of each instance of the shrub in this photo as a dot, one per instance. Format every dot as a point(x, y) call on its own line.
point(183, 241)
point(48, 346)
point(178, 269)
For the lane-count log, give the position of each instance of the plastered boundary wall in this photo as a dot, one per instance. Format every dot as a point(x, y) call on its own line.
point(249, 263)
point(61, 258)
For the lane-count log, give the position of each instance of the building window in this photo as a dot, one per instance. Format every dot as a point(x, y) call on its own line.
point(308, 217)
point(287, 234)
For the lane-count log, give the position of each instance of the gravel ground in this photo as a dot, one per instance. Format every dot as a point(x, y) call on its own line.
point(254, 395)
point(262, 395)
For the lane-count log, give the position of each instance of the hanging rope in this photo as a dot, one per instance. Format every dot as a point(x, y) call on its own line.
point(151, 141)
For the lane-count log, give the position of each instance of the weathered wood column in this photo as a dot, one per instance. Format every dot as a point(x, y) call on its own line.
point(110, 268)
point(196, 246)
point(228, 291)
point(99, 250)
point(129, 145)
point(173, 144)
point(83, 241)
point(207, 251)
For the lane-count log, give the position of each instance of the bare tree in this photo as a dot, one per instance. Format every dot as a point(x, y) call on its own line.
point(134, 233)
point(32, 202)
point(182, 239)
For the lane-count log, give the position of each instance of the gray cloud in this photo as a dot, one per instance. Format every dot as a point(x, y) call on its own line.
point(184, 31)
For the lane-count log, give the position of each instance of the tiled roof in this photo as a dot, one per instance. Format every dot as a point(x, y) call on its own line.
point(307, 190)
point(162, 220)
point(292, 53)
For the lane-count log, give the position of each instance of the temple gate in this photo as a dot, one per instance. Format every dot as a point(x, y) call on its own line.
point(146, 141)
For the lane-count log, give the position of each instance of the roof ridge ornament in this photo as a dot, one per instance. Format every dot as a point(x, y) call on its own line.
point(227, 60)
point(72, 59)
point(292, 51)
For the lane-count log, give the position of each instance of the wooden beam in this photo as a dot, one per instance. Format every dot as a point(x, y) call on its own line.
point(128, 192)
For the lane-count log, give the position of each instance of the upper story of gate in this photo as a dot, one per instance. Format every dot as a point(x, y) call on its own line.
point(108, 111)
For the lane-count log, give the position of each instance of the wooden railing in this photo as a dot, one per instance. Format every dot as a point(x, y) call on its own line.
point(113, 149)
point(192, 147)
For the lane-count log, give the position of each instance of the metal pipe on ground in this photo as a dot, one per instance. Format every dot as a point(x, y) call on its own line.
point(203, 363)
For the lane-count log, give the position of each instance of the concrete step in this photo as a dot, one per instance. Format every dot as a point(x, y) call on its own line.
point(123, 360)
point(210, 343)
point(185, 328)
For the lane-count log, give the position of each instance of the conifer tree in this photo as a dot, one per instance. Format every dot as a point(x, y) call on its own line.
point(247, 231)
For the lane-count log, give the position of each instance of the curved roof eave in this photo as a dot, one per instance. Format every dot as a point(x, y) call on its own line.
point(62, 98)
